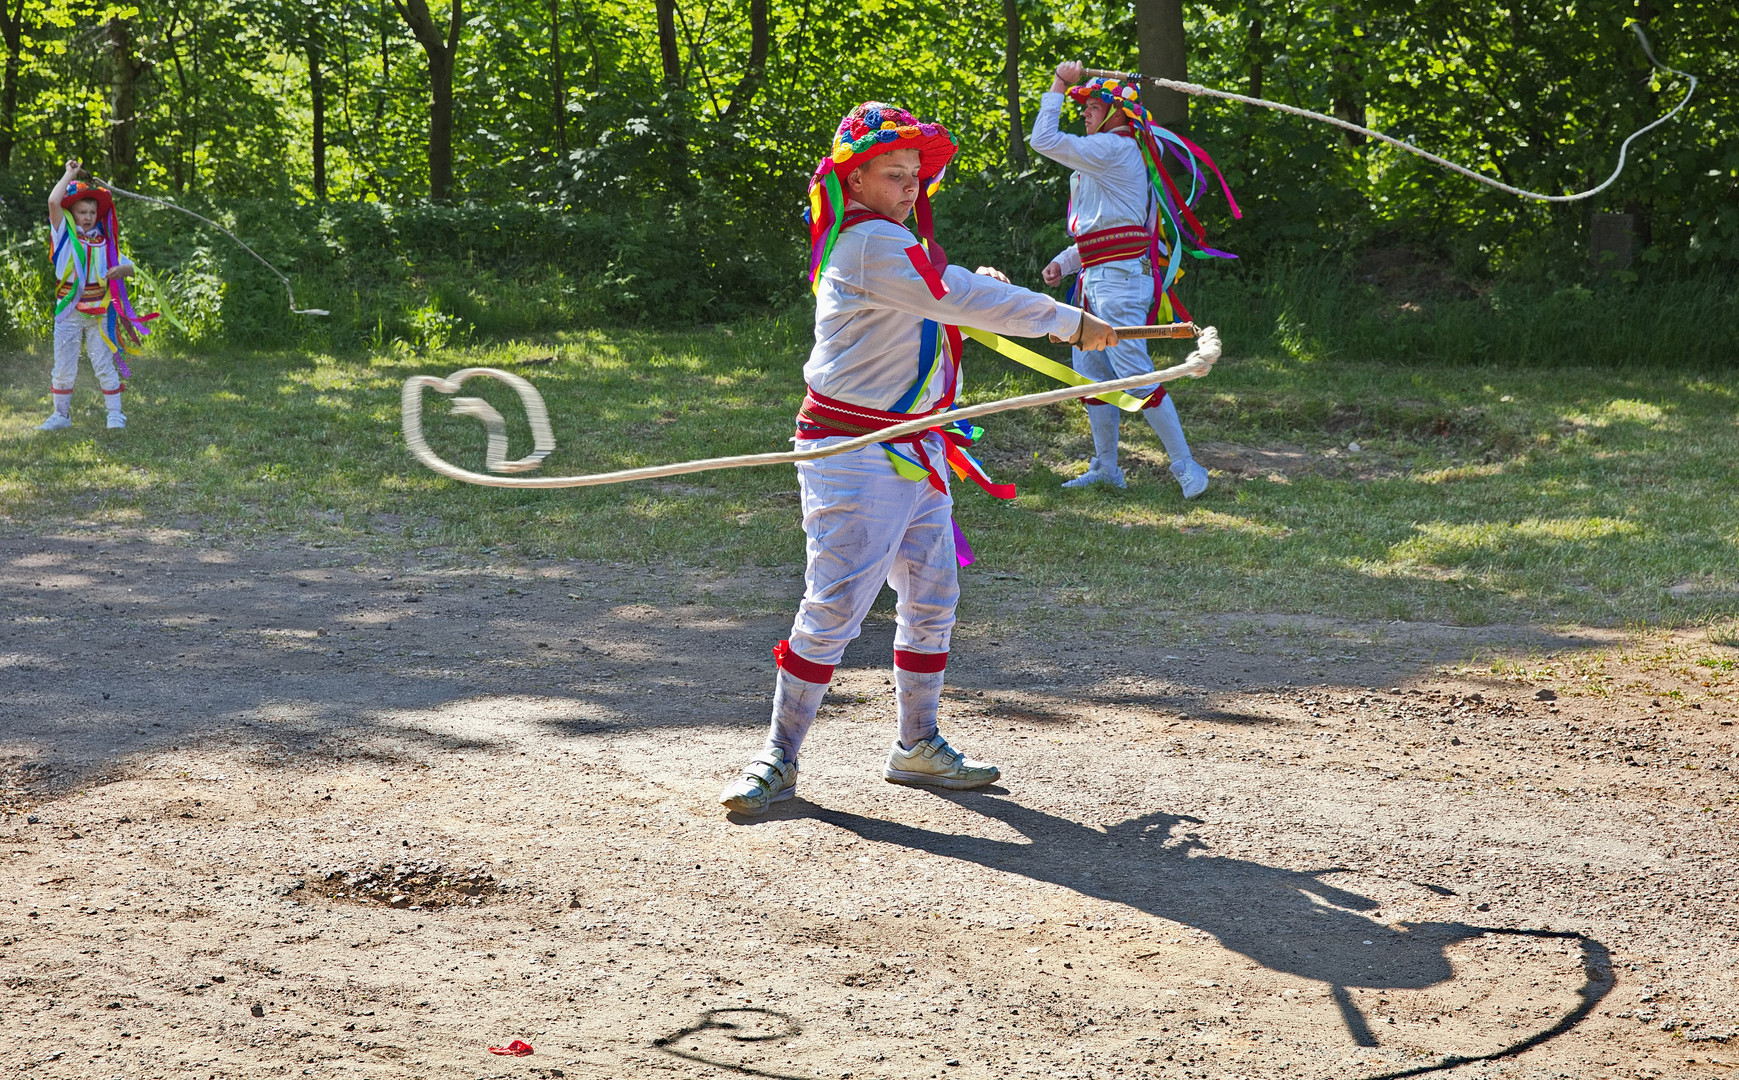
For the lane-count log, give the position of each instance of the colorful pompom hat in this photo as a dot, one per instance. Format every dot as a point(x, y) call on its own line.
point(78, 191)
point(867, 131)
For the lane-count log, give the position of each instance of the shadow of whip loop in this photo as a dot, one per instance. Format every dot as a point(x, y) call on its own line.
point(1598, 981)
point(716, 1020)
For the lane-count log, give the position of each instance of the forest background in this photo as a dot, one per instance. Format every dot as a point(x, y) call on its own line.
point(432, 173)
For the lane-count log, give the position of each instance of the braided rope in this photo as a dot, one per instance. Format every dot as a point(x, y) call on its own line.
point(1196, 365)
point(1204, 91)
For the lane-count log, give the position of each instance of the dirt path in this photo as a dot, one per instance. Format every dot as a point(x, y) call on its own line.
point(291, 811)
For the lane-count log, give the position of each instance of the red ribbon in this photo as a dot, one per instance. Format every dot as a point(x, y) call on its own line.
point(516, 1048)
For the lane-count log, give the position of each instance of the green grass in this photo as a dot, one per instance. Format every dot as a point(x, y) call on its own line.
point(1479, 494)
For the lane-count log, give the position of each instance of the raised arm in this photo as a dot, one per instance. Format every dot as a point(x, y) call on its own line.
point(1086, 153)
point(73, 168)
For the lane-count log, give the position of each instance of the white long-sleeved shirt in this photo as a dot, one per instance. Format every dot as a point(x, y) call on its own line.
point(62, 237)
point(1110, 187)
point(871, 306)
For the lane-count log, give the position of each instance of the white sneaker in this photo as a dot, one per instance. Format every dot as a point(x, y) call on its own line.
point(933, 763)
point(1098, 474)
point(117, 419)
point(767, 779)
point(55, 422)
point(1193, 478)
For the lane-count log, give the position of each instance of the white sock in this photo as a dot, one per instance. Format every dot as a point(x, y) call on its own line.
point(795, 704)
point(1163, 418)
point(1105, 421)
point(919, 695)
point(63, 404)
point(114, 401)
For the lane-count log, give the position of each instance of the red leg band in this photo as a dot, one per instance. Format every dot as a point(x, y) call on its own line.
point(117, 390)
point(924, 663)
point(807, 670)
point(52, 390)
point(1153, 401)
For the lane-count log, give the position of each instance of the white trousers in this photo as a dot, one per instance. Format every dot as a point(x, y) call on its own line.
point(70, 330)
point(1121, 294)
point(866, 525)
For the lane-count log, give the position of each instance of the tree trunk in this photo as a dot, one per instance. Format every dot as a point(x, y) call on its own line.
point(124, 71)
point(1159, 36)
point(317, 101)
point(12, 30)
point(558, 83)
point(591, 45)
point(1347, 97)
point(669, 53)
point(185, 138)
point(750, 84)
point(675, 112)
point(1011, 84)
point(441, 50)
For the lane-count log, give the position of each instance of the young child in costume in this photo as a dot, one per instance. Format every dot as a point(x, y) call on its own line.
point(887, 349)
point(92, 307)
point(1126, 216)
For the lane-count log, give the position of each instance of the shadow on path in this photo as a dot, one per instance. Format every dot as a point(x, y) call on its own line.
point(1286, 920)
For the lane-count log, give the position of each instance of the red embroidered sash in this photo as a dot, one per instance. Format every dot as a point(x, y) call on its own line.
point(822, 417)
point(1110, 245)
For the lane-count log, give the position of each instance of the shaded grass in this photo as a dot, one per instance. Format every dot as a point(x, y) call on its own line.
point(1478, 493)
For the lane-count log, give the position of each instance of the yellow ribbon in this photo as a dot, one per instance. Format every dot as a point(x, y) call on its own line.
point(1046, 366)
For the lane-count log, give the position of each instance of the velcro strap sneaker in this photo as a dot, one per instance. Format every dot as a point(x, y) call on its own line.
point(766, 780)
point(933, 763)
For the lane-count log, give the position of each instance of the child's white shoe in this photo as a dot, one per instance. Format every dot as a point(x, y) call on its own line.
point(933, 763)
point(55, 422)
point(1098, 473)
point(117, 419)
point(1192, 478)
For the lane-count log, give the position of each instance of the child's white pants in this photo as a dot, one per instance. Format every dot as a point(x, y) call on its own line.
point(70, 330)
point(1122, 294)
point(866, 524)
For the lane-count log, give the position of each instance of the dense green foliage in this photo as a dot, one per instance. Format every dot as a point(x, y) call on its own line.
point(592, 183)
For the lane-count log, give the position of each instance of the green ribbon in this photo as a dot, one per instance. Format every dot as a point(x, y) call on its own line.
point(1046, 366)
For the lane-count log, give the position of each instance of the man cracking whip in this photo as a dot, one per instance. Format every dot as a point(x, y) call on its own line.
point(1128, 217)
point(887, 349)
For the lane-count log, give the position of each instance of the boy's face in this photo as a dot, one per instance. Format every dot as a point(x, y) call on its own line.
point(888, 184)
point(1093, 113)
point(84, 213)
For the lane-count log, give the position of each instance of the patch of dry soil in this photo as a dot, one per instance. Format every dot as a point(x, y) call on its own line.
point(1210, 857)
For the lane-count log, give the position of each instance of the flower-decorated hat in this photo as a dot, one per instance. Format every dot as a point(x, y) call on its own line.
point(78, 191)
point(1110, 91)
point(866, 132)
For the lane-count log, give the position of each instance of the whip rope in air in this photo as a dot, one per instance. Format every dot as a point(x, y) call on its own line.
point(291, 292)
point(1196, 365)
point(1204, 91)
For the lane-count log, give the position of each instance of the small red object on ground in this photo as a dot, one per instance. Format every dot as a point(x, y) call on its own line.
point(516, 1048)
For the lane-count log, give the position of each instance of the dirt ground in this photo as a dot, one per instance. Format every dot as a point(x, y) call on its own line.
point(293, 811)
